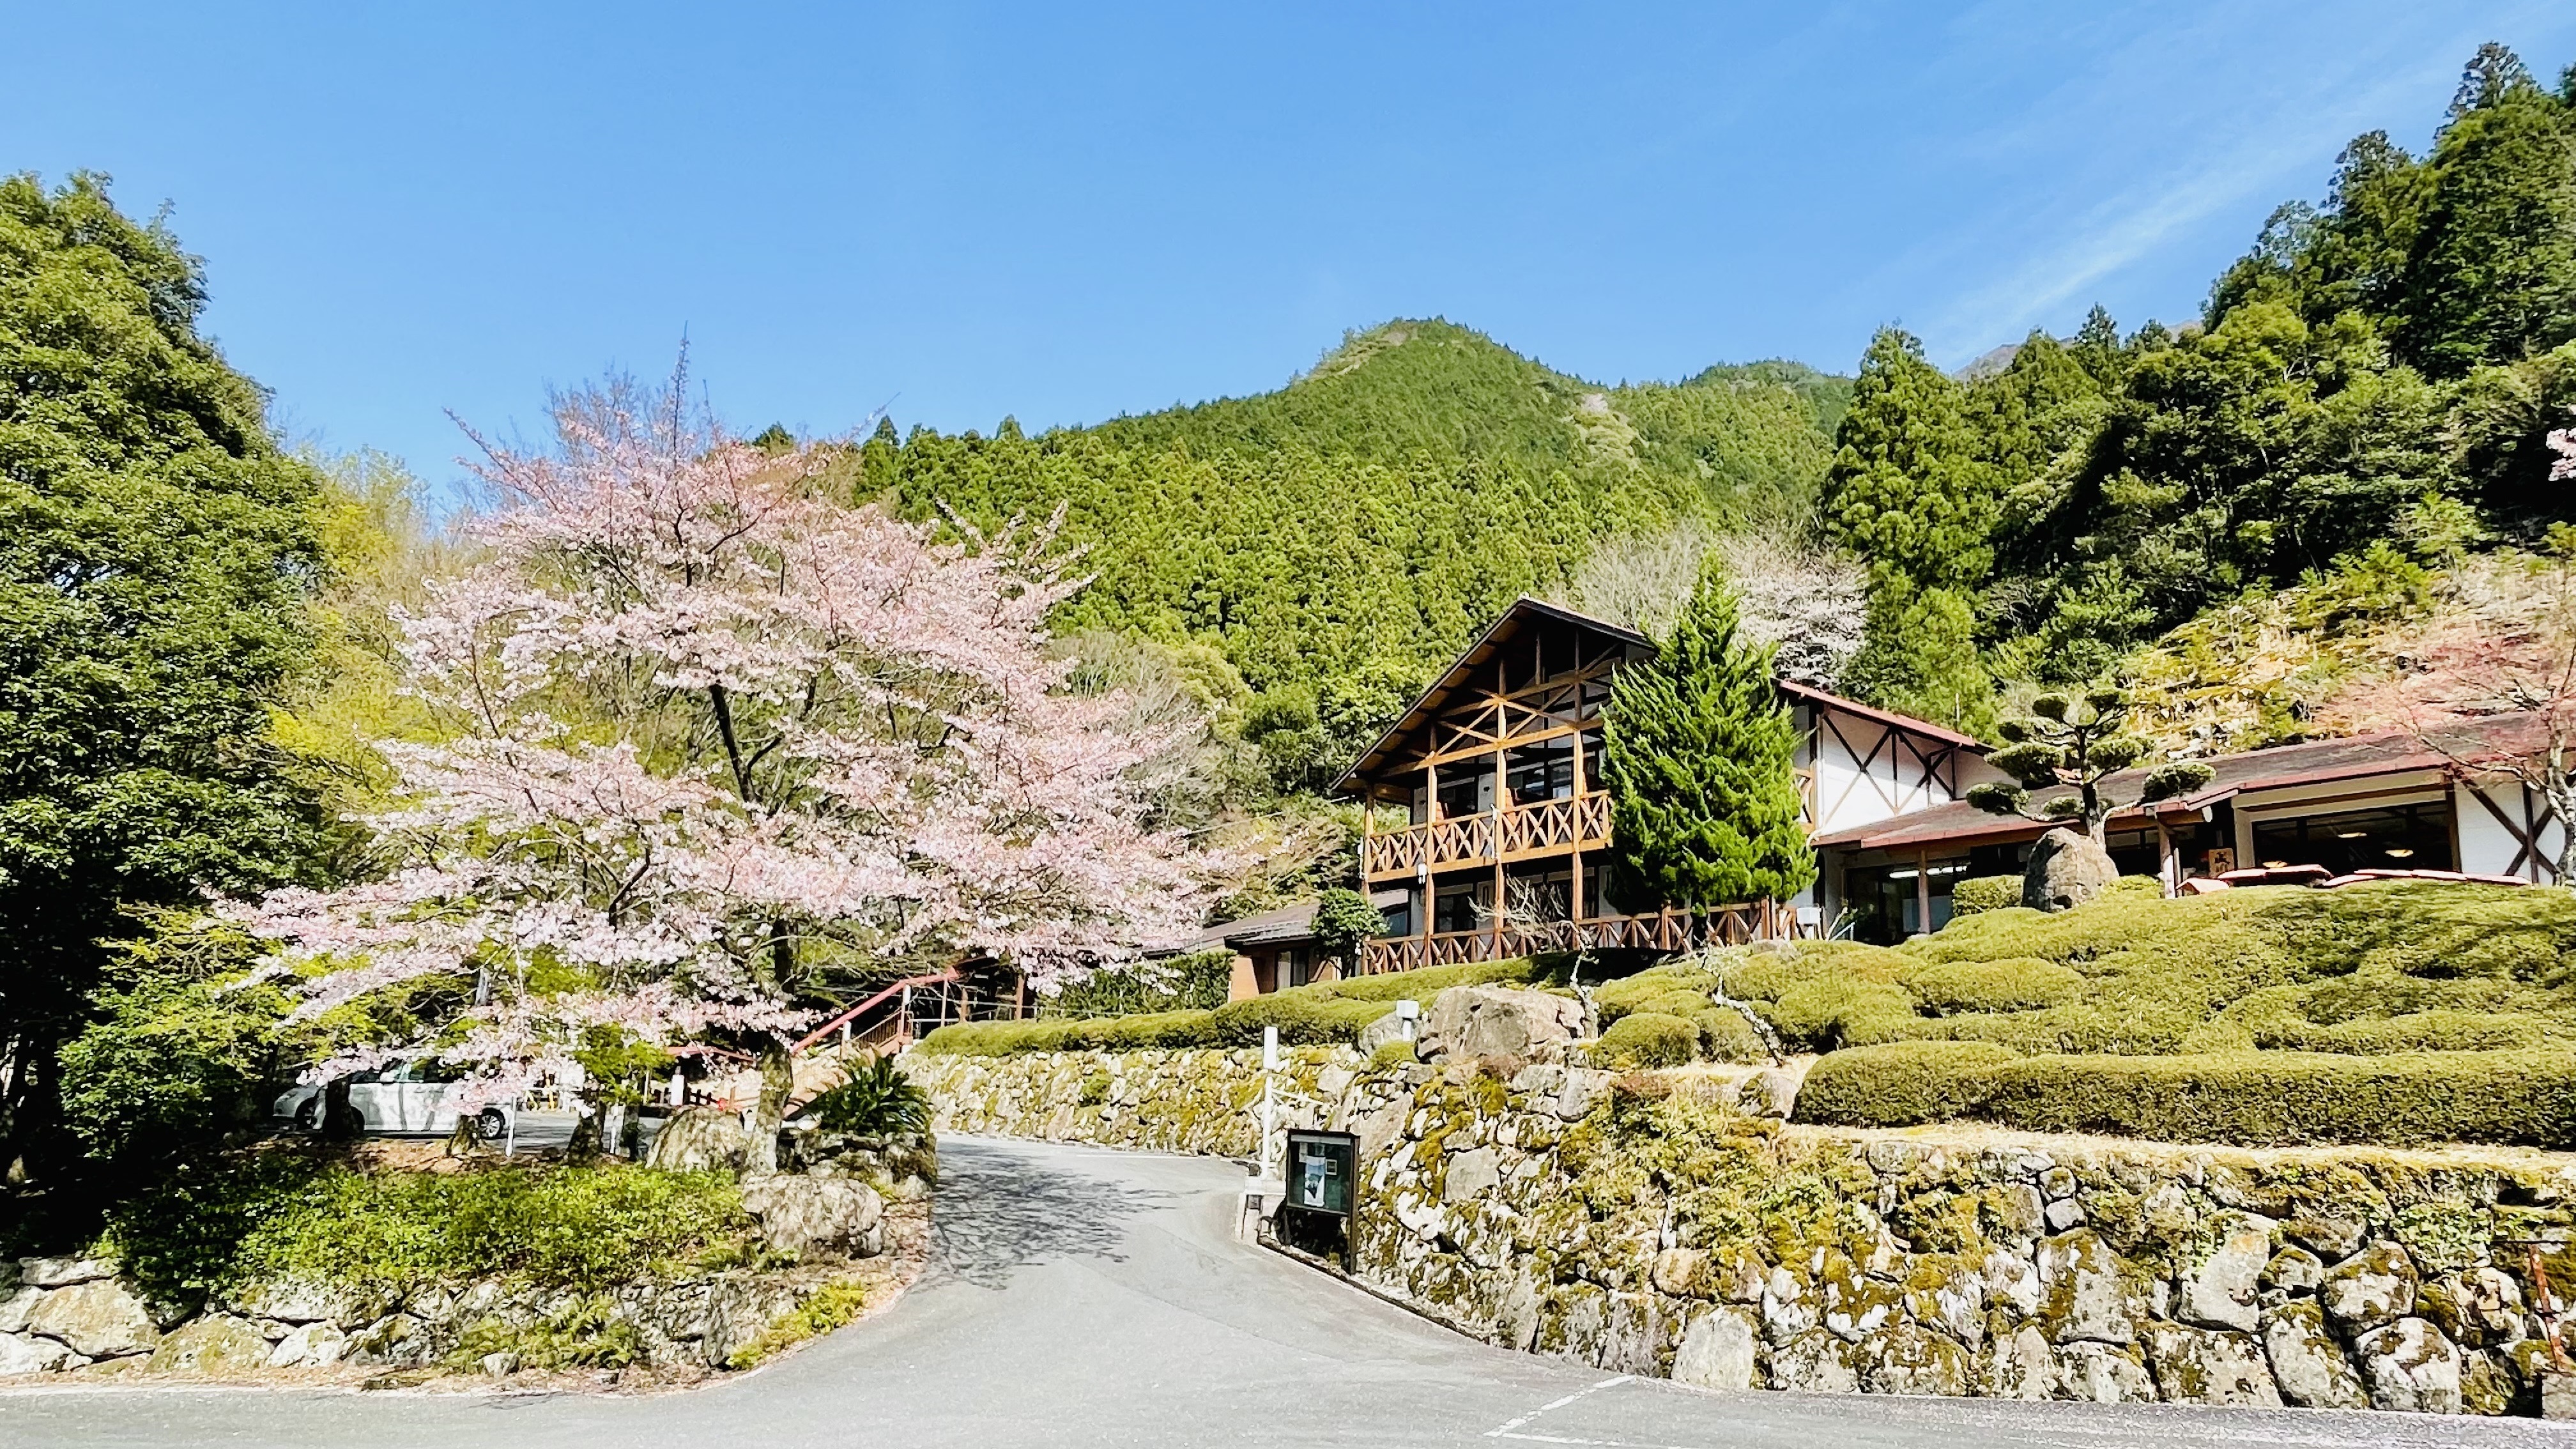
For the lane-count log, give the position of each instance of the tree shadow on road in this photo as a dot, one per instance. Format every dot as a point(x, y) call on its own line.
point(997, 1213)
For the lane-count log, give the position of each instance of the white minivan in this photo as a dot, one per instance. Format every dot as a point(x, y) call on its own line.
point(409, 1097)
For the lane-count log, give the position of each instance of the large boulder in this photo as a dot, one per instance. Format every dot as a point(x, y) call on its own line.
point(20, 1354)
point(2372, 1287)
point(2411, 1367)
point(63, 1272)
point(2307, 1363)
point(2204, 1366)
point(215, 1344)
point(1497, 1021)
point(2220, 1290)
point(1717, 1351)
point(310, 1345)
point(803, 1215)
point(304, 1300)
point(696, 1139)
point(2067, 868)
point(99, 1318)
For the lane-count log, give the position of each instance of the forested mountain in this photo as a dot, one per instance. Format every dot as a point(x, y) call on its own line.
point(1340, 538)
point(2367, 394)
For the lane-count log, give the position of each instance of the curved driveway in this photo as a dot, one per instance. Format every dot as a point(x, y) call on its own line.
point(1084, 1297)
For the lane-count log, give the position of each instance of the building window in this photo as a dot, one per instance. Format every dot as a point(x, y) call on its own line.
point(1466, 788)
point(2393, 837)
point(1397, 910)
point(1539, 892)
point(1461, 907)
point(1541, 771)
point(1887, 901)
point(1297, 965)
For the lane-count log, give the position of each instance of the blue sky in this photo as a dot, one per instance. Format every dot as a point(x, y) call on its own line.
point(1062, 213)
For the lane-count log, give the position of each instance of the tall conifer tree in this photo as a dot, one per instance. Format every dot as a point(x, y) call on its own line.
point(1700, 757)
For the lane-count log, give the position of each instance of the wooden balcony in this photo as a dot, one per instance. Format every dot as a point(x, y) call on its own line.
point(1669, 931)
point(1544, 827)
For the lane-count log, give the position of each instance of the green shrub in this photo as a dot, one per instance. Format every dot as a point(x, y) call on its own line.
point(1301, 1018)
point(1649, 1039)
point(1767, 974)
point(1328, 1011)
point(2022, 983)
point(1984, 893)
point(1397, 1053)
point(872, 1100)
point(260, 1215)
point(2266, 1099)
point(1830, 1012)
point(1195, 982)
point(1900, 1084)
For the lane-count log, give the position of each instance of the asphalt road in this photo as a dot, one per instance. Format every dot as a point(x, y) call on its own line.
point(1084, 1297)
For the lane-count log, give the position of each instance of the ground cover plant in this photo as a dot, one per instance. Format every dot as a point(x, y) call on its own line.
point(315, 1214)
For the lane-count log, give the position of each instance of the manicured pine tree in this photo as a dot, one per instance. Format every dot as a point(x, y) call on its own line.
point(1700, 758)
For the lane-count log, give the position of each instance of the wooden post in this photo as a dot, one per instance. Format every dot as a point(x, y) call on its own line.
point(1574, 810)
point(1494, 839)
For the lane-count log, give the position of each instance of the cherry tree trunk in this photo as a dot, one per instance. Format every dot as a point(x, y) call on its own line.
point(777, 1083)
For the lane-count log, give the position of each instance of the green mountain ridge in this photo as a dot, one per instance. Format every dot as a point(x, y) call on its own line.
point(1337, 539)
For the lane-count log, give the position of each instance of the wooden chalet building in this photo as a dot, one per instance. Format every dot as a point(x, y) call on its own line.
point(1506, 849)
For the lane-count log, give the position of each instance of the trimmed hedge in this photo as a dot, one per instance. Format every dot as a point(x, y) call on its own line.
point(1984, 893)
point(1650, 1039)
point(1900, 1084)
point(2019, 983)
point(1329, 1011)
point(2268, 1099)
point(2251, 1099)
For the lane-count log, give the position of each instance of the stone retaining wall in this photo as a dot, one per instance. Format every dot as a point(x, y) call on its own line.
point(1671, 1224)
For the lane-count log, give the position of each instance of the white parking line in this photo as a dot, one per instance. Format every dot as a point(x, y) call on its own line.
point(1513, 1429)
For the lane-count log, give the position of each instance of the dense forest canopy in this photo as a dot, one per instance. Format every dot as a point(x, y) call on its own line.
point(1339, 539)
point(2369, 389)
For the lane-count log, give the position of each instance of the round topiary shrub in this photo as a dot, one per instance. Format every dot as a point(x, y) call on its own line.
point(2020, 983)
point(1901, 1083)
point(1824, 1014)
point(1650, 1039)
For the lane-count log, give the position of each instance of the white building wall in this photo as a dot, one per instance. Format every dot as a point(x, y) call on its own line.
point(2488, 848)
point(1864, 771)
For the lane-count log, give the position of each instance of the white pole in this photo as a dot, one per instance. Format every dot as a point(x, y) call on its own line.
point(1269, 1096)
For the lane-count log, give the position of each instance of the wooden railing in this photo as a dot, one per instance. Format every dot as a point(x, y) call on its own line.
point(1583, 820)
point(1669, 931)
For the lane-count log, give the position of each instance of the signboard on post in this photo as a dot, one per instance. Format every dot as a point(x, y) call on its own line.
point(1322, 1167)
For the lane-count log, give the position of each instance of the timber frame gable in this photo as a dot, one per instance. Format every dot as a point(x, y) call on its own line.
point(1506, 845)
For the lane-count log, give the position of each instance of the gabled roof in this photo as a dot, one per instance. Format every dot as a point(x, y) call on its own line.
point(1525, 608)
point(1494, 635)
point(1268, 928)
point(2318, 762)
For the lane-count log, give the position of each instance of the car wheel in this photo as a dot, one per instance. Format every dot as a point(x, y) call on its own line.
point(490, 1124)
point(308, 1118)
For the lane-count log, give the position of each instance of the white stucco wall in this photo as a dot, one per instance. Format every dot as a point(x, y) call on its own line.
point(2487, 848)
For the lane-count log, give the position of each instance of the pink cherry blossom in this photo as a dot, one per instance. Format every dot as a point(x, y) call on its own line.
point(711, 738)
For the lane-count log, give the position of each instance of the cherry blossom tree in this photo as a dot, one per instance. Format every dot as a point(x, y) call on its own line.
point(713, 739)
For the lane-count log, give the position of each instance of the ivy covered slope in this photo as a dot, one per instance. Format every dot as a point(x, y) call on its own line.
point(1346, 534)
point(2395, 1012)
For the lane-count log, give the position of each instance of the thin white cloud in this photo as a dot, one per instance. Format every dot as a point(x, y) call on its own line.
point(2268, 153)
